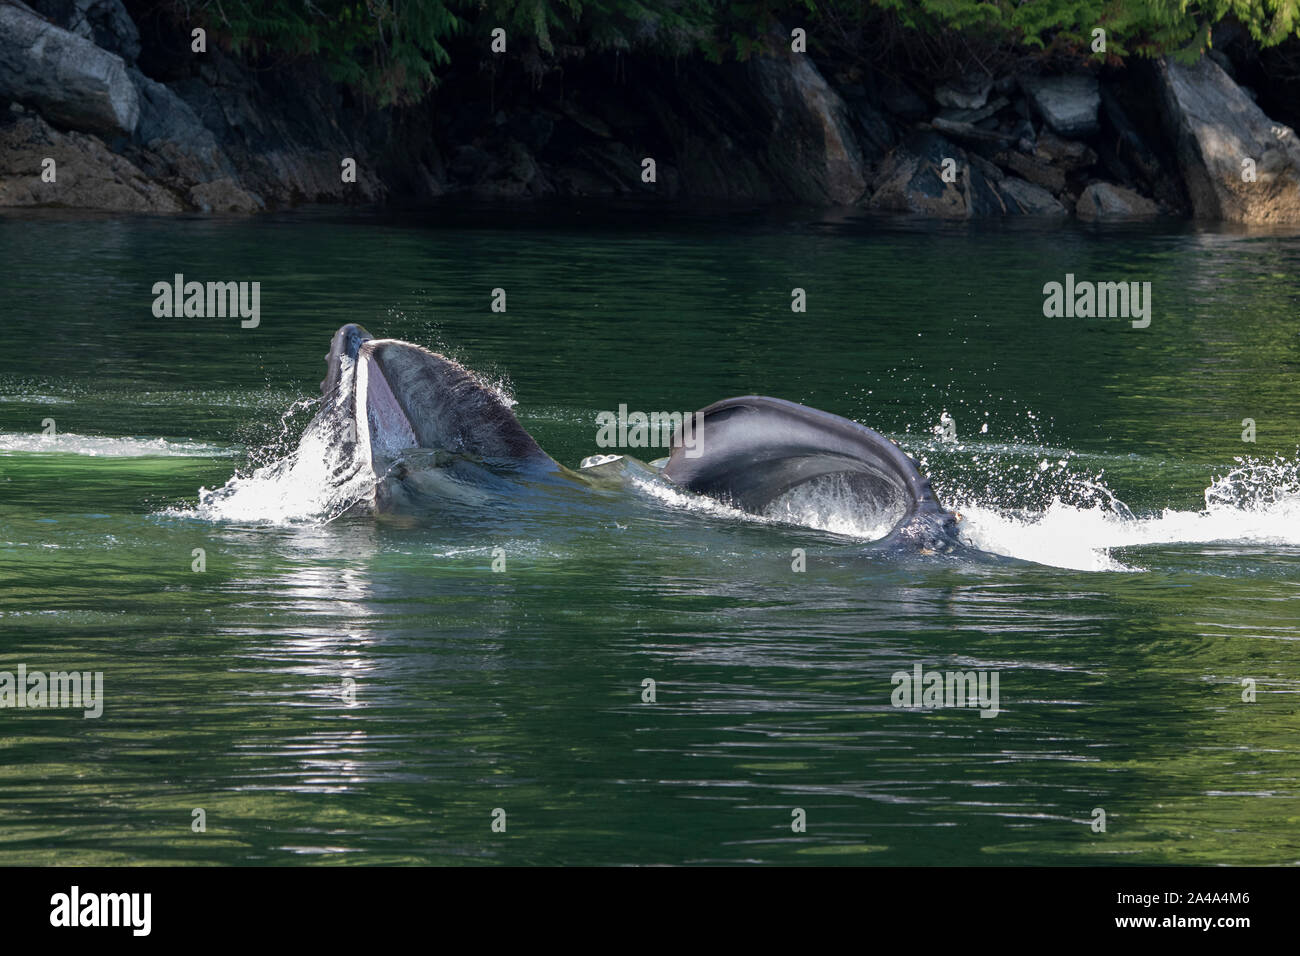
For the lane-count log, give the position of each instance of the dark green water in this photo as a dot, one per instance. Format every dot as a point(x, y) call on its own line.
point(1121, 620)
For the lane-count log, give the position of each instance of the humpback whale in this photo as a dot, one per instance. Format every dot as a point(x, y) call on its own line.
point(403, 427)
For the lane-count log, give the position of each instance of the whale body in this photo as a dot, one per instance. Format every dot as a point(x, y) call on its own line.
point(404, 427)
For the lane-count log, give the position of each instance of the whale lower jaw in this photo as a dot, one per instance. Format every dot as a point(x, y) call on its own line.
point(755, 449)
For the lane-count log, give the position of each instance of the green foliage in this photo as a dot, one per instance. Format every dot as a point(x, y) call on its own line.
point(392, 49)
point(387, 48)
point(1146, 27)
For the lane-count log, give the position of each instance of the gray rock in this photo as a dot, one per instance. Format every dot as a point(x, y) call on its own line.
point(1108, 201)
point(1034, 170)
point(810, 144)
point(171, 130)
point(284, 132)
point(163, 114)
point(470, 165)
point(177, 149)
point(987, 169)
point(1068, 154)
point(89, 176)
point(971, 134)
point(974, 115)
point(911, 180)
point(969, 92)
point(65, 77)
point(1215, 126)
point(531, 128)
point(224, 195)
point(1029, 200)
point(517, 174)
point(103, 22)
point(592, 124)
point(1024, 134)
point(1067, 103)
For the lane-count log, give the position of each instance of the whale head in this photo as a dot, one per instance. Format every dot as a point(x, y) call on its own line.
point(409, 424)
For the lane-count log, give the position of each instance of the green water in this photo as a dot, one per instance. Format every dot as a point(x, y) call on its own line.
point(1120, 613)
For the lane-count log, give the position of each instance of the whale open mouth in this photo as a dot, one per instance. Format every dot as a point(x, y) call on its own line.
point(382, 423)
point(413, 420)
point(779, 459)
point(863, 503)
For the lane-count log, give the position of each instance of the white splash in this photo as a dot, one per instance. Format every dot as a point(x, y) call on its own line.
point(1256, 503)
point(825, 508)
point(686, 501)
point(300, 487)
point(99, 446)
point(836, 505)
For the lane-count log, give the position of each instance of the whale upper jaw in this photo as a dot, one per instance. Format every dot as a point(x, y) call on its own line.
point(408, 424)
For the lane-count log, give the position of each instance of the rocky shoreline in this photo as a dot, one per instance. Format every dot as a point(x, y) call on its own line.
point(101, 110)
